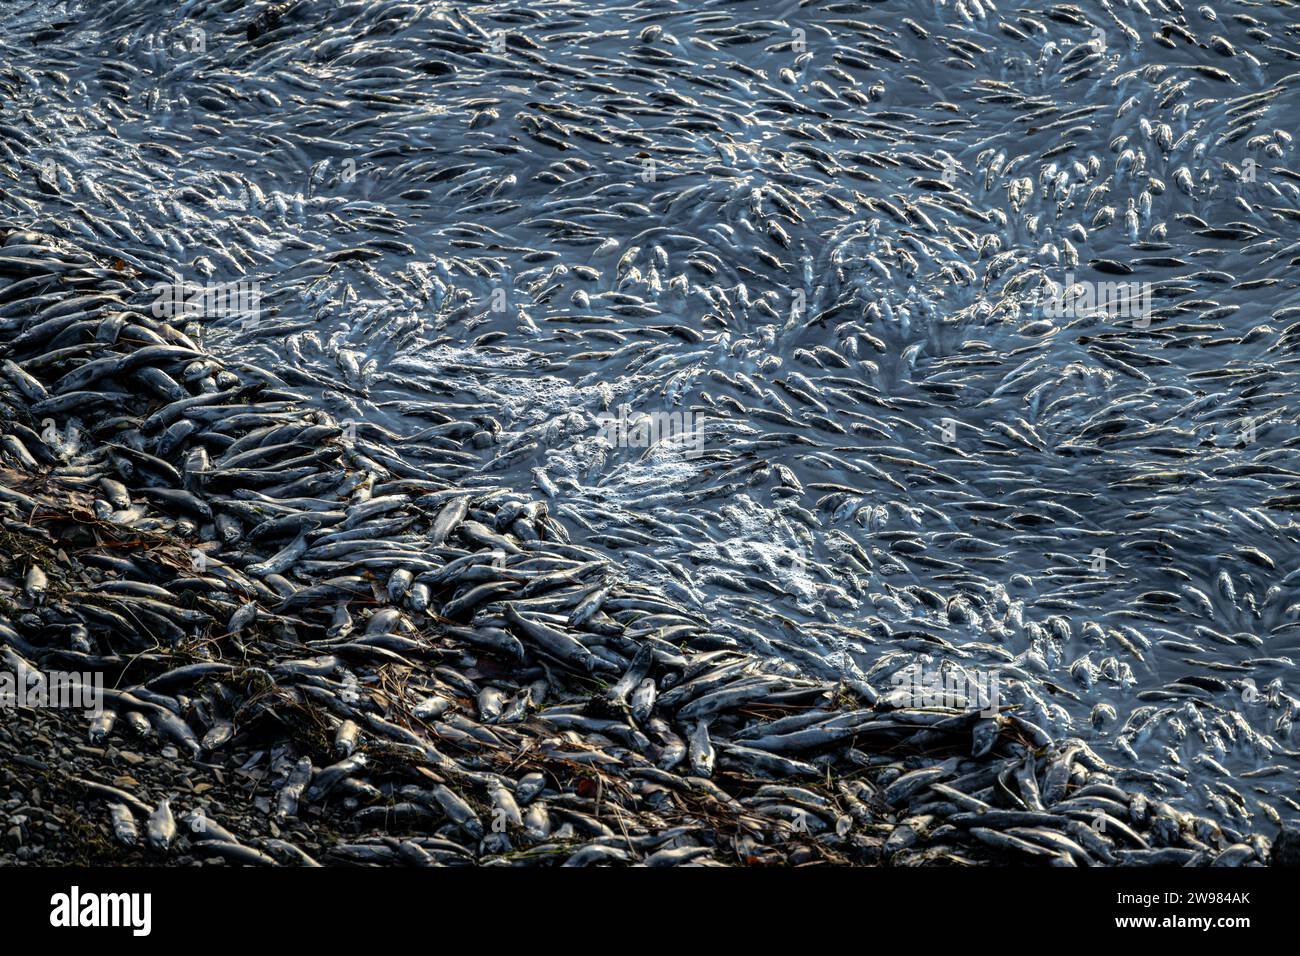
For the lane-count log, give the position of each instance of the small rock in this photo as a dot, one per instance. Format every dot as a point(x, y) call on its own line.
point(1286, 848)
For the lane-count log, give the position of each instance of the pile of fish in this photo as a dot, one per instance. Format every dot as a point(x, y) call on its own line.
point(383, 519)
point(439, 660)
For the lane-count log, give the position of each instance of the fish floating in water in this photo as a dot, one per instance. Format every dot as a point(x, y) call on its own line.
point(691, 401)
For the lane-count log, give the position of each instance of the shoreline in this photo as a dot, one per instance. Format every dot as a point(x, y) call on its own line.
point(487, 693)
